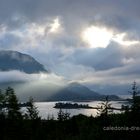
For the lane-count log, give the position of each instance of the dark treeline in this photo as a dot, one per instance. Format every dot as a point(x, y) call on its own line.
point(17, 125)
point(72, 106)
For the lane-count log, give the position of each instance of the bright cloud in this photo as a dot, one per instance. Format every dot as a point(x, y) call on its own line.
point(119, 38)
point(97, 37)
point(30, 34)
point(60, 35)
point(17, 76)
point(55, 26)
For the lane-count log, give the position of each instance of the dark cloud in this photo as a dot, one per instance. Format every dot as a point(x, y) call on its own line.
point(25, 25)
point(99, 59)
point(109, 12)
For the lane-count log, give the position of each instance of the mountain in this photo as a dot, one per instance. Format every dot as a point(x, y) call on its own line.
point(13, 60)
point(42, 90)
point(78, 92)
point(46, 91)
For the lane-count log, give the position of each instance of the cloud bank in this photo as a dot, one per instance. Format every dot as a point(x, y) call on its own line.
point(51, 31)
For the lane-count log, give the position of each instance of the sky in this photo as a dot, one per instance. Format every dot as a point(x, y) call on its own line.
point(93, 42)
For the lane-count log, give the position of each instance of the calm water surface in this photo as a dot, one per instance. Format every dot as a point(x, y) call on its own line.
point(46, 109)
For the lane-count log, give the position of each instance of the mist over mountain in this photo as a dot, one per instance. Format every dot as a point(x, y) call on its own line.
point(13, 60)
point(42, 86)
point(78, 92)
point(47, 91)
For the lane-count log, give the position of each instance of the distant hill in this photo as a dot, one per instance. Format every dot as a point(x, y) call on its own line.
point(46, 91)
point(13, 60)
point(78, 92)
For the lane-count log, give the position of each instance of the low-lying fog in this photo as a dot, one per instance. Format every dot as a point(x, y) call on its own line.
point(39, 86)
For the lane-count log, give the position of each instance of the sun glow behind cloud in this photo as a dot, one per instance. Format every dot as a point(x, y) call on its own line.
point(101, 37)
point(63, 41)
point(97, 37)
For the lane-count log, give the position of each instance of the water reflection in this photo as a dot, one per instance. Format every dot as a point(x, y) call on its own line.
point(46, 109)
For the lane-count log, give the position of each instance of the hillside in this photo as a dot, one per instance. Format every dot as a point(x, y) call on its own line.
point(78, 92)
point(13, 60)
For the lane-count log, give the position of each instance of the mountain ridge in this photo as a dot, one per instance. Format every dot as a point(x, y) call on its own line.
point(78, 92)
point(14, 60)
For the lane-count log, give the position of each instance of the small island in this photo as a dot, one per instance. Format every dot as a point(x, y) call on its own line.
point(72, 106)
